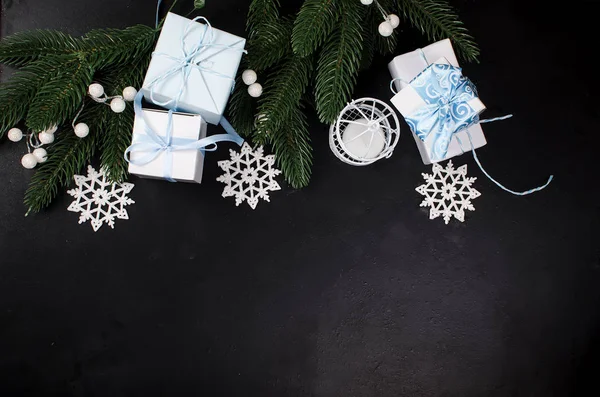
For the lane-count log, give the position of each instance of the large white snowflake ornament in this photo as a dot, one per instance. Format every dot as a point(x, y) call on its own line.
point(249, 175)
point(448, 192)
point(99, 200)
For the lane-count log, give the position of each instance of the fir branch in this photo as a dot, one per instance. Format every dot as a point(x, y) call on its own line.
point(60, 97)
point(286, 85)
point(116, 137)
point(292, 148)
point(111, 47)
point(369, 33)
point(22, 48)
point(66, 156)
point(242, 108)
point(314, 23)
point(260, 12)
point(17, 93)
point(269, 43)
point(437, 20)
point(339, 63)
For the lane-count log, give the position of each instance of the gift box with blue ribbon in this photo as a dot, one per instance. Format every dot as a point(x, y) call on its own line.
point(193, 67)
point(437, 104)
point(405, 67)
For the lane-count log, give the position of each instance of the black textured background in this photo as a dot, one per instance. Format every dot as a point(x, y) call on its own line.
point(344, 288)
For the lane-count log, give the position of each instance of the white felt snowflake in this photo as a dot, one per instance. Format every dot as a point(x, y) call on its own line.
point(249, 175)
point(99, 200)
point(448, 192)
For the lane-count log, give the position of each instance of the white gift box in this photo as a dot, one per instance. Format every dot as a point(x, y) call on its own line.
point(211, 78)
point(186, 165)
point(406, 67)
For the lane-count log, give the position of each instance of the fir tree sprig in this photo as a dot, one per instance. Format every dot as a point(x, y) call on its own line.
point(21, 48)
point(292, 147)
point(281, 122)
point(339, 63)
point(437, 20)
point(316, 20)
point(269, 43)
point(59, 97)
point(287, 84)
point(242, 108)
point(66, 156)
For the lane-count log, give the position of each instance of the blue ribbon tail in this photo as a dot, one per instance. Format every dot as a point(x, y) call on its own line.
point(231, 131)
point(501, 186)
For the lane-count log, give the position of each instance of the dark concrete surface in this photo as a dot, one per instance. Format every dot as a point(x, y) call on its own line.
point(344, 288)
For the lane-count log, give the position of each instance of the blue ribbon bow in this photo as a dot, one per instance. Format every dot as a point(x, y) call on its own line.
point(153, 145)
point(446, 93)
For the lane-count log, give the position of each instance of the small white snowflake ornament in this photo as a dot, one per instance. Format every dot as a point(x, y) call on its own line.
point(448, 192)
point(99, 200)
point(249, 175)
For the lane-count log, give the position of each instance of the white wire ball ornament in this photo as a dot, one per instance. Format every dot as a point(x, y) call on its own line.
point(366, 130)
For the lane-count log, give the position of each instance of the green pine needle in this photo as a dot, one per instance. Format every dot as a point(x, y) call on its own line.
point(437, 20)
point(116, 137)
point(316, 20)
point(17, 93)
point(269, 43)
point(21, 48)
point(287, 84)
point(109, 47)
point(262, 11)
point(67, 156)
point(339, 63)
point(242, 108)
point(60, 97)
point(293, 150)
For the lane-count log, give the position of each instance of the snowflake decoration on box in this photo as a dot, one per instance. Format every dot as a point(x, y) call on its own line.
point(99, 200)
point(448, 192)
point(249, 175)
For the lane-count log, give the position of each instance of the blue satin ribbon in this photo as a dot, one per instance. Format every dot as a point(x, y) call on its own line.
point(446, 93)
point(190, 60)
point(153, 144)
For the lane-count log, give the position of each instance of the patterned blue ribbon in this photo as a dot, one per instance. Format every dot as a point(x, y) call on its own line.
point(446, 93)
point(153, 144)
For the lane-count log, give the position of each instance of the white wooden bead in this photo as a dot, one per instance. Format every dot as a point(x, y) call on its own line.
point(82, 130)
point(385, 29)
point(129, 94)
point(15, 134)
point(29, 161)
point(249, 76)
point(52, 129)
point(393, 20)
point(40, 154)
point(117, 105)
point(46, 138)
point(367, 2)
point(96, 90)
point(255, 90)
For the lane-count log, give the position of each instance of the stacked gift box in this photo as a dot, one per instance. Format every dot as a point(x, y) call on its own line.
point(191, 76)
